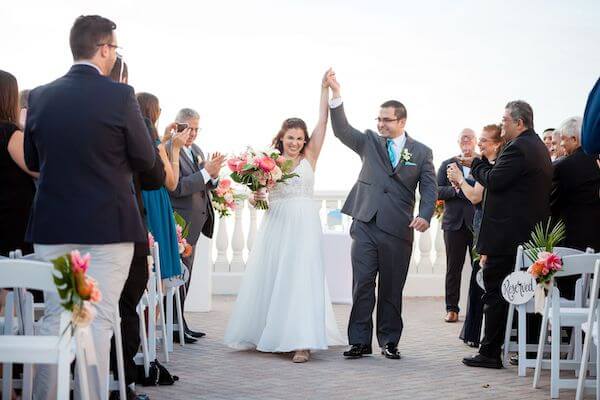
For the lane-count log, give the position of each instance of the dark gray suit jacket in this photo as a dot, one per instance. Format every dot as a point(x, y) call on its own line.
point(191, 197)
point(458, 210)
point(382, 192)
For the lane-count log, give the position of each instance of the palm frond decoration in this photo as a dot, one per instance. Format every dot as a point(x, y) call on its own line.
point(544, 238)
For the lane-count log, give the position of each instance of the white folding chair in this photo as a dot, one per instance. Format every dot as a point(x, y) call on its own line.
point(558, 316)
point(61, 349)
point(591, 335)
point(521, 346)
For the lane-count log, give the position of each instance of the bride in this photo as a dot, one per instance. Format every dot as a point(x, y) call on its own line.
point(283, 304)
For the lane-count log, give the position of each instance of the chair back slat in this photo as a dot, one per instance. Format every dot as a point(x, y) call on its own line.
point(19, 273)
point(577, 265)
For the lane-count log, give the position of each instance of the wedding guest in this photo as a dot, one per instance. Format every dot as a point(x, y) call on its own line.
point(191, 198)
point(161, 222)
point(590, 130)
point(490, 143)
point(558, 151)
point(137, 278)
point(517, 198)
point(86, 136)
point(575, 187)
point(23, 105)
point(18, 189)
point(457, 223)
point(547, 137)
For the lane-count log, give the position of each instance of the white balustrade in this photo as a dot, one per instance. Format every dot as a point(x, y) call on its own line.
point(424, 278)
point(237, 242)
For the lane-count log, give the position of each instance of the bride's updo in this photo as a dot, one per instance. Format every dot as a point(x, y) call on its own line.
point(290, 123)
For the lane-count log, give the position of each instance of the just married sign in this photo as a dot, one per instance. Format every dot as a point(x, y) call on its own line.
point(518, 287)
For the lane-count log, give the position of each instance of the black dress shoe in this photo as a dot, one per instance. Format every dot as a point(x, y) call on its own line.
point(187, 338)
point(482, 361)
point(195, 334)
point(358, 350)
point(391, 351)
point(131, 395)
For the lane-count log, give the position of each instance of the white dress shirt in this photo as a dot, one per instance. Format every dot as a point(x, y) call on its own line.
point(188, 152)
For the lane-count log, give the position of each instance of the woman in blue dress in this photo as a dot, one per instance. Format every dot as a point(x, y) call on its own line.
point(490, 143)
point(159, 212)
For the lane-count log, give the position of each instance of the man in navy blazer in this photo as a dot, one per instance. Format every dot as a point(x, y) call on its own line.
point(86, 136)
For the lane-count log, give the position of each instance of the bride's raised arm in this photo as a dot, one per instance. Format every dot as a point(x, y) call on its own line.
point(317, 137)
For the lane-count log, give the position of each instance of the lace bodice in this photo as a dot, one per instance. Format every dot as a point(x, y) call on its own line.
point(301, 186)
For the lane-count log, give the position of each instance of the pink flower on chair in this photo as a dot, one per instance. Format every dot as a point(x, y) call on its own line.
point(95, 294)
point(79, 263)
point(551, 260)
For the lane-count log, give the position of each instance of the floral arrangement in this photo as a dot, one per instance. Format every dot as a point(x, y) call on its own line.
point(75, 288)
point(260, 170)
point(438, 211)
point(224, 198)
point(540, 250)
point(182, 228)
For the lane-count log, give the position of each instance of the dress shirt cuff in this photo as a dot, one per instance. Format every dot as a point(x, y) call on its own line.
point(205, 175)
point(335, 102)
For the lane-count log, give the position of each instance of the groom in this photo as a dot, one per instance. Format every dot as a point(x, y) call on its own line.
point(382, 203)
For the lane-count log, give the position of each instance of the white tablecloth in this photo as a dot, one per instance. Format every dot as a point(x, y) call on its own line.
point(338, 267)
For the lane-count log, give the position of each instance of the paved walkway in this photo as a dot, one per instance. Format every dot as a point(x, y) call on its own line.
point(431, 366)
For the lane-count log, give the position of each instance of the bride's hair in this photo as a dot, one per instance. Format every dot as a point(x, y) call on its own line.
point(290, 123)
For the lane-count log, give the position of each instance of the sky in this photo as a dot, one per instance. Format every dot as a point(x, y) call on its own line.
point(245, 66)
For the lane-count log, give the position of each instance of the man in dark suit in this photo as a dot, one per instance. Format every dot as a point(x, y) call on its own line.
point(382, 204)
point(191, 198)
point(457, 224)
point(517, 198)
point(575, 190)
point(86, 136)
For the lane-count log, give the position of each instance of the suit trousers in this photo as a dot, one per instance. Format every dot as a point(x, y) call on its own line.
point(375, 252)
point(495, 308)
point(109, 266)
point(457, 243)
point(130, 321)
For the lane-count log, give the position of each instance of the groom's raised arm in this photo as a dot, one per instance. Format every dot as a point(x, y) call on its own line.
point(353, 138)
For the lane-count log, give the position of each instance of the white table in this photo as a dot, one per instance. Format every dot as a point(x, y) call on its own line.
point(338, 267)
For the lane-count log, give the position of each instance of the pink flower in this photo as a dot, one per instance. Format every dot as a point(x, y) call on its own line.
point(95, 295)
point(545, 271)
point(224, 184)
point(551, 260)
point(266, 164)
point(236, 164)
point(78, 263)
point(281, 160)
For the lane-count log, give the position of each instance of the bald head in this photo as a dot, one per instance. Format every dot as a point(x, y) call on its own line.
point(467, 142)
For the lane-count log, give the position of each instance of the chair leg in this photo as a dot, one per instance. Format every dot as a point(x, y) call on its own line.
point(169, 340)
point(507, 332)
point(555, 359)
point(163, 329)
point(180, 324)
point(119, 348)
point(64, 377)
point(144, 340)
point(522, 340)
point(583, 367)
point(540, 351)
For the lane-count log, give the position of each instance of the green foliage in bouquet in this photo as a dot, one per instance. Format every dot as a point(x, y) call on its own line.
point(544, 238)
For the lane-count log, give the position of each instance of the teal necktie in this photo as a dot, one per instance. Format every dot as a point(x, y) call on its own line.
point(392, 153)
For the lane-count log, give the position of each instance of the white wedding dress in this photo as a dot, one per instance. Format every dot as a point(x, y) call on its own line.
point(283, 303)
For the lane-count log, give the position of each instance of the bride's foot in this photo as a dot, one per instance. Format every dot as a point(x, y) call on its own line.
point(301, 356)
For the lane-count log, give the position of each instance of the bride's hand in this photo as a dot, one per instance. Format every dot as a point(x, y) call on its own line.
point(259, 196)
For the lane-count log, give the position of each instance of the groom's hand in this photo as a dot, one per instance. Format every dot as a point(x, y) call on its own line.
point(419, 224)
point(333, 84)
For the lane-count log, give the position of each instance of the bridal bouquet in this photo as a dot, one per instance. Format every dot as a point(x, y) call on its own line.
point(540, 250)
point(75, 288)
point(182, 228)
point(260, 170)
point(224, 198)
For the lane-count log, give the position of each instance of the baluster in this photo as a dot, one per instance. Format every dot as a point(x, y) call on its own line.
point(237, 241)
point(425, 266)
point(253, 228)
point(413, 267)
point(439, 265)
point(222, 264)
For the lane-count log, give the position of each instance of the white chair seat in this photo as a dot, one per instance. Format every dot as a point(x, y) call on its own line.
point(29, 349)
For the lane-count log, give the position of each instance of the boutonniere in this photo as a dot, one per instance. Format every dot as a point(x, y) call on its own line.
point(405, 157)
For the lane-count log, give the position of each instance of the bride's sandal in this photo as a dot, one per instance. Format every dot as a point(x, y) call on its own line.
point(301, 356)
